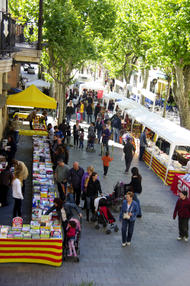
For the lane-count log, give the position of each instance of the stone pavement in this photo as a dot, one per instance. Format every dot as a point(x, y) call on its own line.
point(154, 258)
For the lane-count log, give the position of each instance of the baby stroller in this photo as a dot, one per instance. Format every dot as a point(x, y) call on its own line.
point(104, 216)
point(90, 144)
point(76, 243)
point(115, 199)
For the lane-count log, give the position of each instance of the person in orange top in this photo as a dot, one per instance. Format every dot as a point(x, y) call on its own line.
point(106, 161)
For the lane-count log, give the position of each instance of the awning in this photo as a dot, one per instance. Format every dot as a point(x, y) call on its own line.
point(33, 97)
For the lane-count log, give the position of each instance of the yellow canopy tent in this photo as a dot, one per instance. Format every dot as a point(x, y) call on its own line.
point(33, 97)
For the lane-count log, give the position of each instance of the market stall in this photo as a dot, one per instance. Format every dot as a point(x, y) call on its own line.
point(32, 97)
point(169, 138)
point(41, 240)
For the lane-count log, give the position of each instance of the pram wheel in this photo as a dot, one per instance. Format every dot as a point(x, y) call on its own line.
point(97, 226)
point(108, 231)
point(116, 228)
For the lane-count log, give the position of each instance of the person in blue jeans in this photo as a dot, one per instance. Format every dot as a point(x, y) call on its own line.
point(128, 214)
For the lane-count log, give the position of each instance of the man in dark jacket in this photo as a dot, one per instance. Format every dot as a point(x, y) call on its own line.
point(129, 151)
point(116, 125)
point(182, 208)
point(75, 178)
point(89, 112)
point(97, 110)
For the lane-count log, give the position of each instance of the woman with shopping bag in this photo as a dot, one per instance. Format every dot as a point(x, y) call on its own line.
point(128, 214)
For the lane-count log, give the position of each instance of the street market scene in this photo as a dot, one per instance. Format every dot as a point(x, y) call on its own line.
point(94, 142)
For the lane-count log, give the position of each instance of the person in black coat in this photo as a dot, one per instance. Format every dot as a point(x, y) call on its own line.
point(93, 188)
point(129, 151)
point(11, 149)
point(136, 186)
point(97, 110)
point(89, 112)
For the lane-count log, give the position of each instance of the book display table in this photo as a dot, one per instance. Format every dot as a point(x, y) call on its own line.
point(159, 169)
point(41, 240)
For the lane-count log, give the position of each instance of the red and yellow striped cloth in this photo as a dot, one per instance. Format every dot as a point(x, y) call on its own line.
point(45, 251)
point(160, 169)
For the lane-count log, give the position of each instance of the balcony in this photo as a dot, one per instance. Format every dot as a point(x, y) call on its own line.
point(7, 35)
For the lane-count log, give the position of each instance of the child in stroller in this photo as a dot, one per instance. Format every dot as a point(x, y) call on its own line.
point(72, 248)
point(104, 215)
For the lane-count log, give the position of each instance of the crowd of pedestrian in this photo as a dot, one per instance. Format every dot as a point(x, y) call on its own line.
point(73, 183)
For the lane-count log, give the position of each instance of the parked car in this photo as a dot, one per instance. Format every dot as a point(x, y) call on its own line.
point(25, 67)
point(31, 70)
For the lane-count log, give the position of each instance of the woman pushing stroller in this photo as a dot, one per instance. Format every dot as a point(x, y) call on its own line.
point(64, 212)
point(93, 187)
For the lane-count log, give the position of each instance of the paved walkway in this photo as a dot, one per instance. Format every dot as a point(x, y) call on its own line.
point(154, 258)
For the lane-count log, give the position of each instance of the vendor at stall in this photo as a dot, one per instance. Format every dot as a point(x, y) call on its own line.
point(143, 143)
point(31, 117)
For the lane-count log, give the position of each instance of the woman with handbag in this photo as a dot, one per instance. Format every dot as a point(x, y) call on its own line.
point(128, 214)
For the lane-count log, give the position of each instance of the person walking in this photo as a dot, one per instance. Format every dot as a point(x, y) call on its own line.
point(129, 151)
point(98, 127)
point(76, 130)
point(105, 137)
point(64, 212)
point(81, 139)
point(106, 161)
point(89, 112)
point(136, 186)
point(143, 144)
point(93, 188)
point(61, 174)
point(116, 125)
point(75, 177)
point(97, 110)
point(129, 211)
point(69, 111)
point(182, 209)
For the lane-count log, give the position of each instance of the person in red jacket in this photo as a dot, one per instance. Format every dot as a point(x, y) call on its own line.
point(182, 209)
point(71, 233)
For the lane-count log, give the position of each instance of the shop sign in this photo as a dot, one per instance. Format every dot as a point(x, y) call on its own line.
point(17, 221)
point(181, 186)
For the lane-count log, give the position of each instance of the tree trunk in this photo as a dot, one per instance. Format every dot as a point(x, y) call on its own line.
point(40, 23)
point(166, 96)
point(127, 76)
point(145, 75)
point(182, 93)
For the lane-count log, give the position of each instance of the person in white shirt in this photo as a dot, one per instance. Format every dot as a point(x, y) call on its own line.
point(17, 195)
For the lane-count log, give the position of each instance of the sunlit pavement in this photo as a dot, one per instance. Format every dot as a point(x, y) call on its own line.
point(154, 258)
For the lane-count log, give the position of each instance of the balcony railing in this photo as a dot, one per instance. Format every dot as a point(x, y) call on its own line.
point(7, 34)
